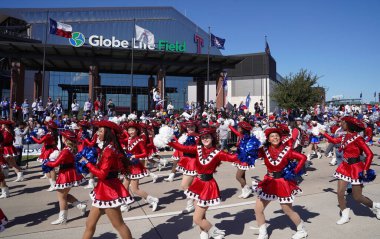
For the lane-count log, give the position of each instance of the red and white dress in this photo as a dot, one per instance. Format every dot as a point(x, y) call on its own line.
point(3, 162)
point(49, 146)
point(3, 220)
point(186, 164)
point(274, 186)
point(67, 175)
point(352, 145)
point(81, 140)
point(8, 148)
point(136, 147)
point(109, 192)
point(240, 165)
point(204, 188)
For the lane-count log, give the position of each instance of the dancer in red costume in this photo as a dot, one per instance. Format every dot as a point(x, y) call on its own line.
point(83, 134)
point(135, 147)
point(274, 186)
point(49, 142)
point(244, 130)
point(204, 189)
point(3, 166)
point(9, 151)
point(67, 177)
point(176, 154)
point(352, 145)
point(186, 163)
point(91, 143)
point(109, 194)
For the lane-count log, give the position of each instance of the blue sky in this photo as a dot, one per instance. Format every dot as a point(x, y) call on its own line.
point(338, 40)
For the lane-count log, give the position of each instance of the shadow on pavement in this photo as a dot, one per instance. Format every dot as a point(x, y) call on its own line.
point(33, 219)
point(283, 221)
point(234, 223)
point(227, 193)
point(107, 235)
point(171, 228)
point(172, 196)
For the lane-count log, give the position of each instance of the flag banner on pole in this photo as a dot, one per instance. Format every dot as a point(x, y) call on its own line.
point(144, 35)
point(60, 29)
point(374, 95)
point(361, 95)
point(248, 100)
point(267, 49)
point(217, 41)
point(225, 81)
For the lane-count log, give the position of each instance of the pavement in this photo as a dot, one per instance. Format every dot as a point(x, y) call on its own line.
point(31, 208)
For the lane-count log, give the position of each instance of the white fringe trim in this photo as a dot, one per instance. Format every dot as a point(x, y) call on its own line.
point(347, 179)
point(175, 158)
point(69, 185)
point(110, 204)
point(9, 155)
point(243, 167)
point(271, 197)
point(138, 176)
point(202, 203)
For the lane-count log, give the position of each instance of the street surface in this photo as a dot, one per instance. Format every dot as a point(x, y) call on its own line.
point(30, 208)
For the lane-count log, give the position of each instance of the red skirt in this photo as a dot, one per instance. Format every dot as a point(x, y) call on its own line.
point(350, 172)
point(9, 151)
point(45, 153)
point(3, 220)
point(186, 166)
point(110, 193)
point(206, 193)
point(277, 189)
point(68, 178)
point(243, 166)
point(176, 155)
point(137, 171)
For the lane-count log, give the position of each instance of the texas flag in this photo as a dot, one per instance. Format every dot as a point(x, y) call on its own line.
point(60, 29)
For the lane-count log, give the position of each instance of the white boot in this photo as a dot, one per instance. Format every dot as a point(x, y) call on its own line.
point(154, 177)
point(345, 217)
point(153, 202)
point(376, 209)
point(163, 162)
point(246, 192)
point(91, 184)
point(189, 206)
point(125, 208)
point(301, 232)
point(216, 233)
point(319, 155)
point(263, 234)
point(44, 176)
point(62, 218)
point(52, 185)
point(203, 235)
point(170, 178)
point(333, 161)
point(4, 192)
point(81, 206)
point(20, 177)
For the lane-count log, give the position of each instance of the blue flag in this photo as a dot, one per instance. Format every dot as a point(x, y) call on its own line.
point(217, 41)
point(225, 81)
point(248, 100)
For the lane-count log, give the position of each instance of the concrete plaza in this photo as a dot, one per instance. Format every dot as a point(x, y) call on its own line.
point(31, 208)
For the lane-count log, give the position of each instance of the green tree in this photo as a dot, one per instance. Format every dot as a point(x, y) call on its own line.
point(298, 91)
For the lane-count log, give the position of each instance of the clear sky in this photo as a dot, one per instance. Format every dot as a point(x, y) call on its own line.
point(338, 40)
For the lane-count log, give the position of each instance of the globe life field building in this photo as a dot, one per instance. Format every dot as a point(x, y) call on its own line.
point(102, 59)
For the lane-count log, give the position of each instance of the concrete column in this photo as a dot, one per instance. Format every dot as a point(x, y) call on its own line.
point(93, 82)
point(150, 95)
point(220, 91)
point(200, 91)
point(160, 83)
point(17, 85)
point(37, 89)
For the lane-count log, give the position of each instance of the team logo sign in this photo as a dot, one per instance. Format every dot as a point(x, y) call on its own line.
point(77, 39)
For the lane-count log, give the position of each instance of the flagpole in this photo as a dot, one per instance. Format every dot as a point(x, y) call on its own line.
point(208, 66)
point(44, 56)
point(133, 41)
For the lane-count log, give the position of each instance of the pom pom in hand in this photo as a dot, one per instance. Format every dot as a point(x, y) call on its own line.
point(371, 175)
point(164, 136)
point(248, 149)
point(91, 154)
point(29, 139)
point(45, 168)
point(182, 139)
point(54, 155)
point(288, 172)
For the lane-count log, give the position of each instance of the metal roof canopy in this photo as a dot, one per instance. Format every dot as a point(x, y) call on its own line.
point(114, 60)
